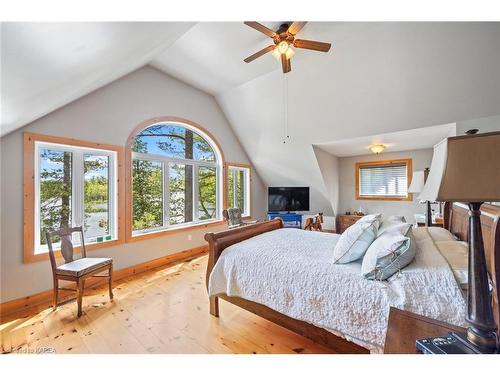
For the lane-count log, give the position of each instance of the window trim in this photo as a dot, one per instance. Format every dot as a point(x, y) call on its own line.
point(130, 236)
point(409, 174)
point(248, 188)
point(29, 198)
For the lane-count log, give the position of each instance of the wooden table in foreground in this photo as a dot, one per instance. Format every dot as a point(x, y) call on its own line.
point(404, 328)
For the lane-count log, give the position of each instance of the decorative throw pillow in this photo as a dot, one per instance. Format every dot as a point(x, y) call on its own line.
point(401, 228)
point(440, 234)
point(456, 254)
point(371, 218)
point(388, 254)
point(389, 223)
point(397, 218)
point(354, 242)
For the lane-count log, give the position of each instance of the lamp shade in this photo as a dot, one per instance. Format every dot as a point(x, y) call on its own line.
point(417, 182)
point(465, 169)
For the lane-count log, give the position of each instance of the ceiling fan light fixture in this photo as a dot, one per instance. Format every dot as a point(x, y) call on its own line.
point(283, 47)
point(289, 53)
point(276, 54)
point(283, 40)
point(377, 149)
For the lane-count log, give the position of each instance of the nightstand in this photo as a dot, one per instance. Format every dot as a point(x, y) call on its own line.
point(345, 221)
point(404, 328)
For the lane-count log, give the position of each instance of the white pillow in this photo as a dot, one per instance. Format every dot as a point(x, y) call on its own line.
point(388, 254)
point(440, 234)
point(397, 218)
point(370, 218)
point(456, 254)
point(390, 222)
point(354, 242)
point(401, 228)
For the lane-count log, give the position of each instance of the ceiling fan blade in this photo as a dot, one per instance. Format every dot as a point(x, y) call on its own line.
point(296, 27)
point(285, 63)
point(312, 44)
point(259, 54)
point(259, 27)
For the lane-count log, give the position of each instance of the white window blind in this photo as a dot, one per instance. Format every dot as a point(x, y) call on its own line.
point(383, 180)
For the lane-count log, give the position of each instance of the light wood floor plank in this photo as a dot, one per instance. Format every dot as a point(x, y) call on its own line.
point(164, 310)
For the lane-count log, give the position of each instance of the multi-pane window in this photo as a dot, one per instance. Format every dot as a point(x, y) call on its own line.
point(74, 186)
point(383, 180)
point(175, 178)
point(238, 188)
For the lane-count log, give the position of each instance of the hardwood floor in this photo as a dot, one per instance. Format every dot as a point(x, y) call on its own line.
point(160, 311)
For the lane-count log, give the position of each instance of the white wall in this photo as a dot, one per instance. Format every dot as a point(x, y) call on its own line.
point(378, 78)
point(420, 159)
point(108, 115)
point(484, 124)
point(329, 167)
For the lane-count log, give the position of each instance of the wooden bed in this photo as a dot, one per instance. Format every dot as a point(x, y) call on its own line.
point(456, 219)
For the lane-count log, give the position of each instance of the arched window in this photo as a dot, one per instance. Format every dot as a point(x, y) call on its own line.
point(176, 177)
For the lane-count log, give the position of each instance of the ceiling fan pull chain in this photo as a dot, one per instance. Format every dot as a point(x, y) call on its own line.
point(285, 108)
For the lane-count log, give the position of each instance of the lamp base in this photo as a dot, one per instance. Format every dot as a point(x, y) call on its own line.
point(484, 341)
point(482, 332)
point(483, 345)
point(428, 214)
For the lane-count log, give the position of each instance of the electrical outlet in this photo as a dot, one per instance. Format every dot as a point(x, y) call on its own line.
point(190, 237)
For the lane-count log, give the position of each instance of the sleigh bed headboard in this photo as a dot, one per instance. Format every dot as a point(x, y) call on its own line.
point(456, 219)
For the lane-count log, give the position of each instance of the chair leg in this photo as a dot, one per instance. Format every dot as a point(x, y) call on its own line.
point(80, 284)
point(55, 294)
point(110, 280)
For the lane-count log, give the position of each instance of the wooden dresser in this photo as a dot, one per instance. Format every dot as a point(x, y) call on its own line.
point(345, 221)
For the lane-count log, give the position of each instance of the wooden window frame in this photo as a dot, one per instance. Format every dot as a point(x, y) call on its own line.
point(227, 166)
point(29, 140)
point(129, 235)
point(409, 174)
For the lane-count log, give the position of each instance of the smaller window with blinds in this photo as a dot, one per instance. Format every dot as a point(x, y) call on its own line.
point(384, 180)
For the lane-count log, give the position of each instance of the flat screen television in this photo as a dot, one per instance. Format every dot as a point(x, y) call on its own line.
point(288, 199)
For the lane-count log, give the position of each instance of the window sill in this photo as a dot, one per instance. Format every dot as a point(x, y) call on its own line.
point(31, 258)
point(173, 230)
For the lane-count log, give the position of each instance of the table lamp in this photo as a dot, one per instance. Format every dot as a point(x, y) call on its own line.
point(467, 169)
point(417, 185)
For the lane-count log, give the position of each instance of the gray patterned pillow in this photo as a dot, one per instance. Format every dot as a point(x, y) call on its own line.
point(354, 242)
point(388, 254)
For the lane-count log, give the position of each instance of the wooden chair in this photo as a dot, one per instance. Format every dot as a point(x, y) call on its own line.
point(234, 218)
point(76, 270)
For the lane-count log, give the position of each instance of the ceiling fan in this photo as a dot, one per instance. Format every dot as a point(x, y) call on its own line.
point(284, 39)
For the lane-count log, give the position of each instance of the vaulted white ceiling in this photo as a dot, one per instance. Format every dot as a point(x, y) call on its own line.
point(47, 65)
point(405, 140)
point(210, 55)
point(378, 78)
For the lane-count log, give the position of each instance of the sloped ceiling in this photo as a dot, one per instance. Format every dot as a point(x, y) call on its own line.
point(378, 78)
point(405, 140)
point(48, 65)
point(210, 56)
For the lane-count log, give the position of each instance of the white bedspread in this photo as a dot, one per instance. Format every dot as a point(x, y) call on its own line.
point(292, 272)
